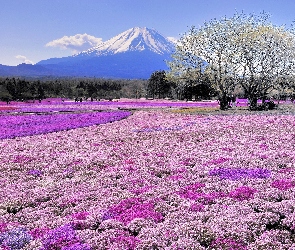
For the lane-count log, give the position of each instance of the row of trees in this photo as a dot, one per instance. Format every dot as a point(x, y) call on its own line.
point(245, 52)
point(32, 89)
point(158, 86)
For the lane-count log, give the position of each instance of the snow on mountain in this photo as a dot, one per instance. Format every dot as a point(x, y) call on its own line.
point(135, 39)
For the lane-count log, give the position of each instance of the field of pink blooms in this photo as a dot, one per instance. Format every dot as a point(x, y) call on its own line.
point(150, 179)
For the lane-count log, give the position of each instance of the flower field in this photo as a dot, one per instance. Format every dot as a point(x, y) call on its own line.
point(154, 180)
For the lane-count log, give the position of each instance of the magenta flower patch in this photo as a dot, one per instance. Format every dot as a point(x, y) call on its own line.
point(132, 208)
point(80, 215)
point(191, 191)
point(207, 198)
point(3, 227)
point(38, 233)
point(126, 241)
point(283, 184)
point(197, 207)
point(243, 193)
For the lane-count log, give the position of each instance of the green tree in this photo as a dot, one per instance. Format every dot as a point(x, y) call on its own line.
point(158, 85)
point(4, 94)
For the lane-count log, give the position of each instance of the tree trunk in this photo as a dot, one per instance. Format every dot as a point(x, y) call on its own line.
point(253, 103)
point(223, 102)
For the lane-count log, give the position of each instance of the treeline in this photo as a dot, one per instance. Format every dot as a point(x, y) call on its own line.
point(20, 89)
point(157, 87)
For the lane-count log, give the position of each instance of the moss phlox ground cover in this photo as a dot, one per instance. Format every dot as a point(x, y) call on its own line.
point(219, 182)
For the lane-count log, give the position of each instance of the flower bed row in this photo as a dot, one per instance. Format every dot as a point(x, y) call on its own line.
point(25, 125)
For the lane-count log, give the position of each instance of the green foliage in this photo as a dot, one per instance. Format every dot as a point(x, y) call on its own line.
point(158, 85)
point(32, 89)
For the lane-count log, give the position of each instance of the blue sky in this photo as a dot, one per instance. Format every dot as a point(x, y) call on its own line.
point(33, 30)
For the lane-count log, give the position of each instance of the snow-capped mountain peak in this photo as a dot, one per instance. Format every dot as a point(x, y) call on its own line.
point(135, 39)
point(133, 54)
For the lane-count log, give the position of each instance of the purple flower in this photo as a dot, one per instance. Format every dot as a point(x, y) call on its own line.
point(69, 172)
point(35, 172)
point(15, 126)
point(16, 238)
point(77, 246)
point(240, 173)
point(60, 237)
point(107, 216)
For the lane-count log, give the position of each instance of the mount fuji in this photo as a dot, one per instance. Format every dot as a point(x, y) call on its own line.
point(135, 39)
point(133, 54)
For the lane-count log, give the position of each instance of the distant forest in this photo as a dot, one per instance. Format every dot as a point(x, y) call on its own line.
point(23, 89)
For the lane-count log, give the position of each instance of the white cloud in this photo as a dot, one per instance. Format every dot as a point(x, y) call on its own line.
point(24, 59)
point(76, 43)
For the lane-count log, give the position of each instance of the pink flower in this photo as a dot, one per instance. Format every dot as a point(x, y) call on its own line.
point(129, 242)
point(197, 207)
point(228, 243)
point(283, 184)
point(3, 227)
point(80, 215)
point(38, 233)
point(175, 177)
point(132, 208)
point(243, 193)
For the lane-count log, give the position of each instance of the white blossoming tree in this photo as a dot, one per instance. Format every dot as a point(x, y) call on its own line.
point(245, 50)
point(265, 55)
